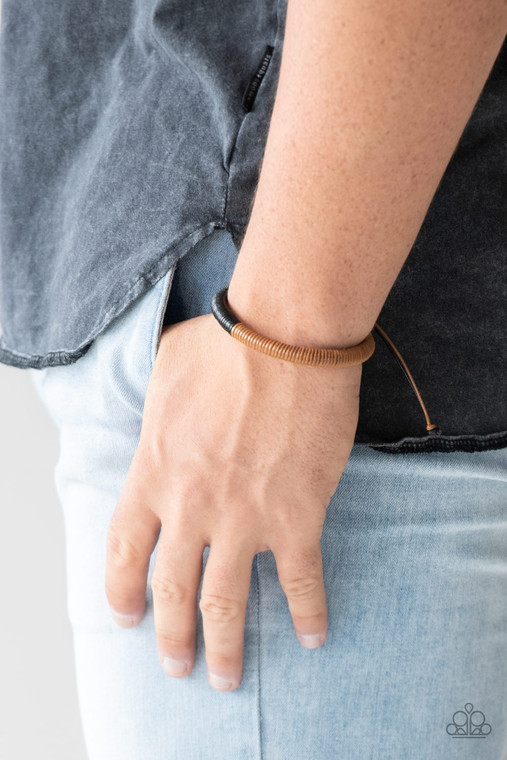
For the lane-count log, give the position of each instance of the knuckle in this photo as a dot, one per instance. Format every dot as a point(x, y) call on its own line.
point(171, 642)
point(300, 587)
point(168, 590)
point(120, 599)
point(217, 660)
point(121, 550)
point(219, 608)
point(120, 602)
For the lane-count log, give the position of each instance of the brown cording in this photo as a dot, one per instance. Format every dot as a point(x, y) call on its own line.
point(343, 357)
point(314, 356)
point(429, 424)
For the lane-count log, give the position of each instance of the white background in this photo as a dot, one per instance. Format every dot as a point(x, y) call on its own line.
point(39, 715)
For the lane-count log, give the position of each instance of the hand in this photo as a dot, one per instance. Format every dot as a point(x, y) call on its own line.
point(241, 452)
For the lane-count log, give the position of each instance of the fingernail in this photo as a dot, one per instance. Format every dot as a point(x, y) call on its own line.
point(174, 667)
point(311, 640)
point(126, 621)
point(218, 682)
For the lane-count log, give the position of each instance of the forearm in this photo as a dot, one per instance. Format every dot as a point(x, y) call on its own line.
point(372, 99)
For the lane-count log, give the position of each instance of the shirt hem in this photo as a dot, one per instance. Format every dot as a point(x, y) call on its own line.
point(447, 443)
point(146, 280)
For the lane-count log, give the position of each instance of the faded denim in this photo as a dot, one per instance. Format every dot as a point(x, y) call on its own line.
point(129, 131)
point(415, 569)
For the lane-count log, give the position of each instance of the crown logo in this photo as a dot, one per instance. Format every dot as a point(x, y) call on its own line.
point(468, 724)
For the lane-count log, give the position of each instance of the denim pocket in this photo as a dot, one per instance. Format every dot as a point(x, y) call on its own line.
point(190, 285)
point(160, 310)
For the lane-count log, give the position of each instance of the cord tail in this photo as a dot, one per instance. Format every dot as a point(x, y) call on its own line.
point(431, 428)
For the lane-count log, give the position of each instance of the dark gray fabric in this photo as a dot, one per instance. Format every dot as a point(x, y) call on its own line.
point(124, 140)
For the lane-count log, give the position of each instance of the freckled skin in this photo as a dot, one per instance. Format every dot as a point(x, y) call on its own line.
point(372, 100)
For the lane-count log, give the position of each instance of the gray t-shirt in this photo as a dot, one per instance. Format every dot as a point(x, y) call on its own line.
point(130, 130)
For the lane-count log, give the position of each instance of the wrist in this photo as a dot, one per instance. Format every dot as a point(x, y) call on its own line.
point(288, 311)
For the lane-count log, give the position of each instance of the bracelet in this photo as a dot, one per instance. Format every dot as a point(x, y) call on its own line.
point(343, 357)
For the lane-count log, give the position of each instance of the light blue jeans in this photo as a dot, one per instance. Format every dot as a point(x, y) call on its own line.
point(414, 551)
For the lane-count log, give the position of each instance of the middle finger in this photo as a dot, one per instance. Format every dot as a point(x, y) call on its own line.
point(175, 583)
point(223, 602)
